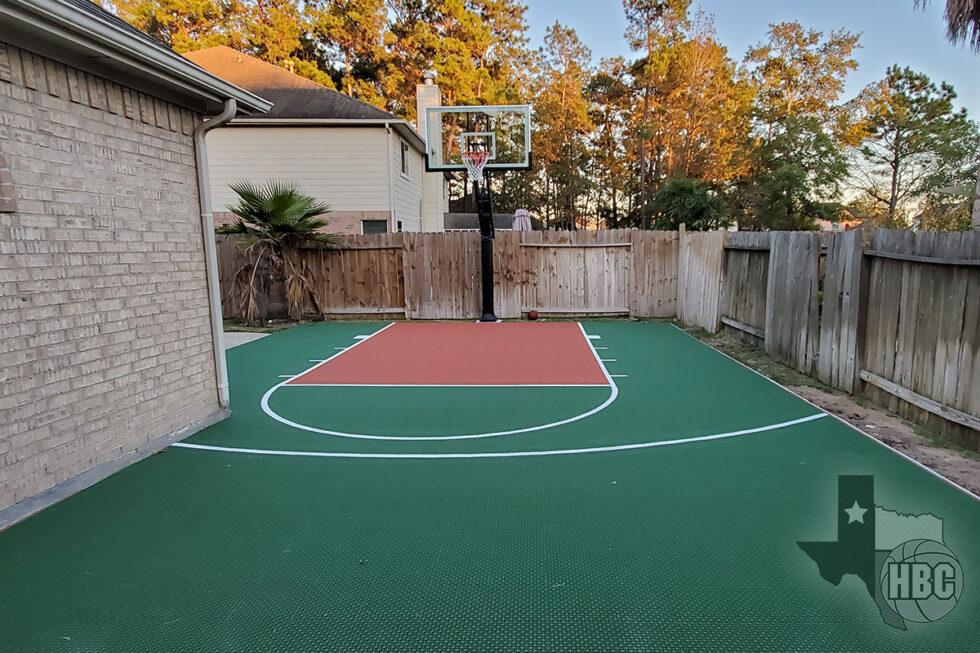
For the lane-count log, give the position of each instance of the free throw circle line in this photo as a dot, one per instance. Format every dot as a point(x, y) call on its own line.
point(267, 409)
point(503, 454)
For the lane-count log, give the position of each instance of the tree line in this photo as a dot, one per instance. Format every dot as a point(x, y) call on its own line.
point(677, 132)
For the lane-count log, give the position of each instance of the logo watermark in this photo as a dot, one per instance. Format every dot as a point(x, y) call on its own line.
point(906, 566)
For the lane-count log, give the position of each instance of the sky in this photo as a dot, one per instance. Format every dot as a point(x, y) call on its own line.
point(893, 31)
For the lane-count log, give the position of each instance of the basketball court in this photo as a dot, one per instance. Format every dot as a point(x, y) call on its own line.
point(536, 486)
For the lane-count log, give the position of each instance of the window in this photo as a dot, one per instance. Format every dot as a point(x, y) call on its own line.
point(404, 158)
point(399, 225)
point(374, 226)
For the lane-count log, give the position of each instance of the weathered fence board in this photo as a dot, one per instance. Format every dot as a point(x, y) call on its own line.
point(699, 273)
point(923, 338)
point(361, 276)
point(654, 273)
point(577, 272)
point(745, 282)
point(842, 320)
point(509, 274)
point(792, 309)
point(442, 276)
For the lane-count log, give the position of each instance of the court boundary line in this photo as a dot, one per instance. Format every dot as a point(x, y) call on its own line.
point(779, 385)
point(267, 409)
point(445, 385)
point(503, 454)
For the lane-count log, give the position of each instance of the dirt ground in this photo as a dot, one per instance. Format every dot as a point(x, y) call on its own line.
point(899, 435)
point(961, 467)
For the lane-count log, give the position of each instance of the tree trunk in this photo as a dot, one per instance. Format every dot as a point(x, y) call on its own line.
point(976, 207)
point(616, 212)
point(643, 156)
point(893, 195)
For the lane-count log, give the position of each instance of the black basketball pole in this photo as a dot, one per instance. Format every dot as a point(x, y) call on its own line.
point(484, 210)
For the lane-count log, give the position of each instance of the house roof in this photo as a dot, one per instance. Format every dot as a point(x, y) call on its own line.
point(85, 36)
point(296, 100)
point(292, 96)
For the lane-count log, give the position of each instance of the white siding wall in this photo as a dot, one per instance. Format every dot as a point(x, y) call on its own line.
point(344, 167)
point(407, 190)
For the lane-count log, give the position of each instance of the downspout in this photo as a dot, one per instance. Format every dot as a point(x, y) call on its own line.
point(391, 183)
point(210, 249)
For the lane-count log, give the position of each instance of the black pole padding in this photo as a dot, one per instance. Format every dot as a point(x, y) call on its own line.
point(484, 211)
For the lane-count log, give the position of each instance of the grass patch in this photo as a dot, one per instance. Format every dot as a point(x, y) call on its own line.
point(234, 326)
point(942, 441)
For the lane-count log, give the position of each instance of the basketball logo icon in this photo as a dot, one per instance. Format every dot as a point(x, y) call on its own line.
point(921, 580)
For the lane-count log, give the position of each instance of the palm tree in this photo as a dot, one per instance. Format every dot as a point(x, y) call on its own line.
point(962, 21)
point(963, 26)
point(273, 221)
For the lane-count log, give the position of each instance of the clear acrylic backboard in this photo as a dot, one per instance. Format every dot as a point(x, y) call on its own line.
point(503, 130)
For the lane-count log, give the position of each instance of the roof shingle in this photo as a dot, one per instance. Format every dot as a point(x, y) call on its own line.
point(293, 97)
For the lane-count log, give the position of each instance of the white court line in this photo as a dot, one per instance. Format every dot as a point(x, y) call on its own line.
point(594, 337)
point(597, 348)
point(608, 360)
point(340, 348)
point(839, 419)
point(504, 454)
point(447, 385)
point(367, 336)
point(316, 360)
point(619, 376)
point(286, 376)
point(613, 393)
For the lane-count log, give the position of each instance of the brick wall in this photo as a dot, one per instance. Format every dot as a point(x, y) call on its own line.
point(103, 299)
point(8, 203)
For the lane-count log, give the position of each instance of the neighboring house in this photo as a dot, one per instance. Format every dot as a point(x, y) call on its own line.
point(367, 164)
point(111, 340)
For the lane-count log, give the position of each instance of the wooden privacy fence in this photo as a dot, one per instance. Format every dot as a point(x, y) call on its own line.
point(894, 315)
point(437, 276)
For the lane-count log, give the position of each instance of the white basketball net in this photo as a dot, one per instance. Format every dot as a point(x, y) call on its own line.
point(475, 161)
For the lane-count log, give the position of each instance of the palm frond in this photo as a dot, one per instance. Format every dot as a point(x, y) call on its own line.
point(962, 21)
point(274, 218)
point(278, 210)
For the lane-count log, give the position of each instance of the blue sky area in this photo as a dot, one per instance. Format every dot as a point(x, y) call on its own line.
point(892, 31)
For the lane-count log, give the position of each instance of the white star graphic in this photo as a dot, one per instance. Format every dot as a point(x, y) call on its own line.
point(855, 513)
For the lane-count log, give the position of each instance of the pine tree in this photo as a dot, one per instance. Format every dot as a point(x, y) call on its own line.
point(561, 110)
point(916, 144)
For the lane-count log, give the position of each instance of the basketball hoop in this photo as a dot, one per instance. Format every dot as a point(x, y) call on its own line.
point(475, 161)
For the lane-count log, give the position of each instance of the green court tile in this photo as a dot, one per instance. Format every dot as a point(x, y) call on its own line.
point(692, 546)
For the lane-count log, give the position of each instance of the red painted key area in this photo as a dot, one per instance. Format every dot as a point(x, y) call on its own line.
point(436, 353)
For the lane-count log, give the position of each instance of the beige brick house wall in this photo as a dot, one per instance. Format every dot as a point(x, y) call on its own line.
point(106, 343)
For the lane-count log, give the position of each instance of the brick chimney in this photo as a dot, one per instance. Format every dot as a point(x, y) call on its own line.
point(427, 95)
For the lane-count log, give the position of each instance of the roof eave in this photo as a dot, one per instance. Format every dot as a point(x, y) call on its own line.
point(102, 39)
point(403, 127)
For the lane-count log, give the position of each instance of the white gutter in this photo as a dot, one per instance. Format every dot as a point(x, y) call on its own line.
point(210, 248)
